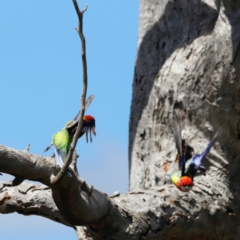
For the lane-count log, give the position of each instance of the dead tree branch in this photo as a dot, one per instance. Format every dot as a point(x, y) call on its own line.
point(30, 199)
point(97, 211)
point(54, 179)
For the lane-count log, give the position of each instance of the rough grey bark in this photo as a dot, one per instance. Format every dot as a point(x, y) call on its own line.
point(71, 195)
point(29, 199)
point(187, 62)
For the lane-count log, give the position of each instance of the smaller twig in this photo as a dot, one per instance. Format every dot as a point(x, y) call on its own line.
point(115, 194)
point(27, 148)
point(85, 9)
point(55, 179)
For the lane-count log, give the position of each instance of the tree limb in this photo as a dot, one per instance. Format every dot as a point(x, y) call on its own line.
point(98, 211)
point(30, 199)
point(144, 214)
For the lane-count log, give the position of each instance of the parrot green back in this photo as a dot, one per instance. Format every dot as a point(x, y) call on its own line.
point(62, 140)
point(175, 177)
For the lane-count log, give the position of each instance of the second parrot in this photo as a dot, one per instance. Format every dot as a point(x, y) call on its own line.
point(183, 179)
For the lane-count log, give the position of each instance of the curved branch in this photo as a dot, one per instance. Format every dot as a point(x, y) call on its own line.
point(71, 194)
point(33, 199)
point(144, 214)
point(30, 199)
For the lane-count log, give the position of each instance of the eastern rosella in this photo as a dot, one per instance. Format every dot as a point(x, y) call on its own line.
point(184, 179)
point(88, 126)
point(62, 139)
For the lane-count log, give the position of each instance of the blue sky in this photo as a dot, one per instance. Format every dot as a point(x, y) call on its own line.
point(41, 84)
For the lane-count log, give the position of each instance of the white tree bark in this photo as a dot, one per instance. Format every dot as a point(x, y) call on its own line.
point(188, 62)
point(29, 199)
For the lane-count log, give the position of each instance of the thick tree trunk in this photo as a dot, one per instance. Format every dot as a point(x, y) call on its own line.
point(187, 64)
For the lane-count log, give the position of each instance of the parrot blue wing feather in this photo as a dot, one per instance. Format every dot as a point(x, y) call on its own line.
point(199, 158)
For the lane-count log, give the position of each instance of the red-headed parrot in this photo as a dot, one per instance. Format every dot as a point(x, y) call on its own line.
point(63, 139)
point(184, 179)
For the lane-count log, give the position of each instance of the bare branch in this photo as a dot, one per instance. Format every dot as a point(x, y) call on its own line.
point(142, 213)
point(85, 9)
point(27, 148)
point(55, 179)
point(30, 199)
point(85, 205)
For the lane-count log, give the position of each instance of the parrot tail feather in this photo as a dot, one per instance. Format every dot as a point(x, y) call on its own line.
point(58, 158)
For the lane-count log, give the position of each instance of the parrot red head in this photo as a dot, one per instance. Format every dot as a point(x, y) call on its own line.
point(89, 118)
point(184, 184)
point(89, 126)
